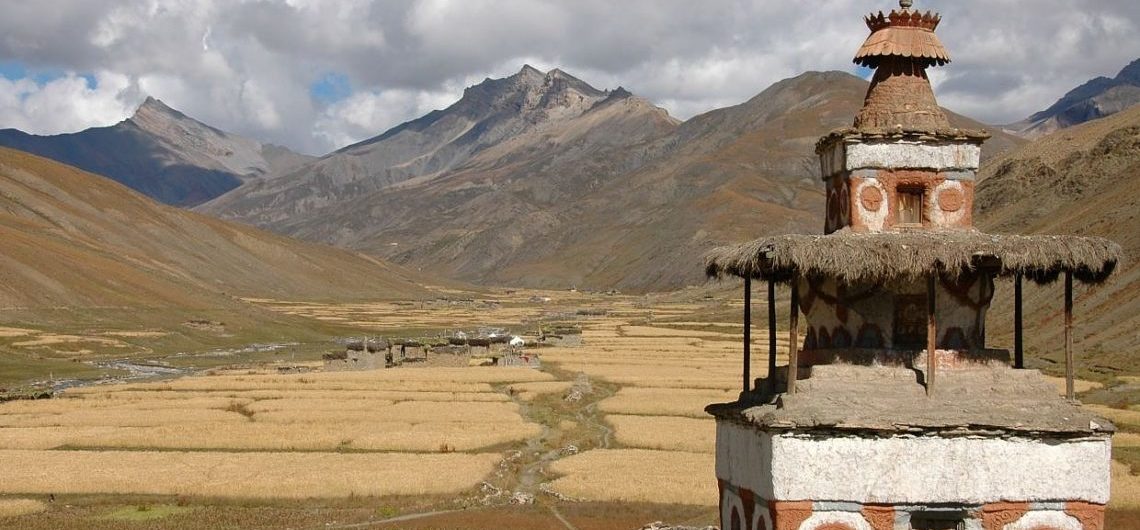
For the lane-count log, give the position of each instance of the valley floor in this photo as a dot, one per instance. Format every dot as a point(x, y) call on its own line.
point(609, 434)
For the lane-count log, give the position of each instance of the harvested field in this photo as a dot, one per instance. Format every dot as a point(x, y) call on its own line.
point(667, 433)
point(665, 401)
point(639, 428)
point(18, 507)
point(529, 391)
point(376, 435)
point(638, 475)
point(241, 475)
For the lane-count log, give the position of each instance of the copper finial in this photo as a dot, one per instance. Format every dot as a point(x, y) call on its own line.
point(905, 4)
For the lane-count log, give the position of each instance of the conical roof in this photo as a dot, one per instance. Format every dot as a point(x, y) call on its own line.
point(905, 33)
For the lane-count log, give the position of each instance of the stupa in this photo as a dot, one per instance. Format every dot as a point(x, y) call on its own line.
point(892, 413)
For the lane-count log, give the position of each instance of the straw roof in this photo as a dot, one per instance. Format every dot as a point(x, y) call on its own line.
point(852, 256)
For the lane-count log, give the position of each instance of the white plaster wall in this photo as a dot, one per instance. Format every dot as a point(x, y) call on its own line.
point(744, 457)
point(818, 519)
point(1049, 519)
point(872, 220)
point(902, 154)
point(936, 470)
point(941, 217)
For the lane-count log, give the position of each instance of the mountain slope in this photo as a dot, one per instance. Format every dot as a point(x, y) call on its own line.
point(617, 196)
point(1095, 99)
point(162, 153)
point(488, 115)
point(79, 240)
point(1081, 180)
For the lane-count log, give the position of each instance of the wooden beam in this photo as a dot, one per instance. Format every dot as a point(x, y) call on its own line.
point(793, 338)
point(1018, 344)
point(747, 333)
point(931, 334)
point(771, 336)
point(1069, 370)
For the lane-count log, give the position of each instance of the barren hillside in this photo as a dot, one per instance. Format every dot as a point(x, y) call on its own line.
point(1081, 180)
point(75, 239)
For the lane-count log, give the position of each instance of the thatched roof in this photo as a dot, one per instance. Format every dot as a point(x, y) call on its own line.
point(852, 256)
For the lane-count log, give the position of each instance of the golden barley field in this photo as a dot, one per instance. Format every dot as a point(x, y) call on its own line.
point(637, 475)
point(266, 435)
point(241, 475)
point(639, 431)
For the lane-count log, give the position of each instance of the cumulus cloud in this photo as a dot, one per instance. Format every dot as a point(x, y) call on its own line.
point(66, 104)
point(249, 66)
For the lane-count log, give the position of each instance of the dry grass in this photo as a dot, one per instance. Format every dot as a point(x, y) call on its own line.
point(260, 436)
point(18, 507)
point(1125, 488)
point(1079, 385)
point(638, 475)
point(1124, 419)
point(6, 332)
point(667, 433)
point(1126, 439)
point(406, 411)
point(155, 396)
point(651, 331)
point(665, 401)
point(116, 417)
point(242, 475)
point(530, 391)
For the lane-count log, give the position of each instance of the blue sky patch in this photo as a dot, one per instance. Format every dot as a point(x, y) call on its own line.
point(331, 88)
point(17, 70)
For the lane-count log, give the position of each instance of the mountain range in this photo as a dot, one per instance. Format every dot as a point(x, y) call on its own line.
point(539, 179)
point(536, 179)
point(1099, 97)
point(163, 154)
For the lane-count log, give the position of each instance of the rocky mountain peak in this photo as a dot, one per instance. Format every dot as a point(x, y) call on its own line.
point(153, 108)
point(1130, 73)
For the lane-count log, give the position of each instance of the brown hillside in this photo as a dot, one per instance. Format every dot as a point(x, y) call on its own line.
point(721, 177)
point(1081, 180)
point(79, 240)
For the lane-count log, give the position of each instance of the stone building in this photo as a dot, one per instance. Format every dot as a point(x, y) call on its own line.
point(893, 413)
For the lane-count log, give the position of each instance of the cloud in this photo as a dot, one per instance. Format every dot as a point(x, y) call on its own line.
point(250, 66)
point(67, 103)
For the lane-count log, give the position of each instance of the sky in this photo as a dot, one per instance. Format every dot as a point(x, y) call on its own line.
point(315, 75)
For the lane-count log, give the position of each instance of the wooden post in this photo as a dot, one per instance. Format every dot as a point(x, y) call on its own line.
point(1018, 351)
point(771, 336)
point(747, 333)
point(1069, 393)
point(931, 334)
point(793, 338)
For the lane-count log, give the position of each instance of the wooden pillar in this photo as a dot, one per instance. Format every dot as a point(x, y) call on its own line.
point(747, 333)
point(793, 338)
point(771, 336)
point(1069, 370)
point(1018, 344)
point(931, 334)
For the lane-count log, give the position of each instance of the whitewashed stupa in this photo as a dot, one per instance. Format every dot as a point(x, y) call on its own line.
point(892, 412)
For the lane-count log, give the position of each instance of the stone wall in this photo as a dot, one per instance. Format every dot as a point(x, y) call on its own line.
point(781, 481)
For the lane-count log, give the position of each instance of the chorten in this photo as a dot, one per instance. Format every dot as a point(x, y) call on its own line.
point(892, 412)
